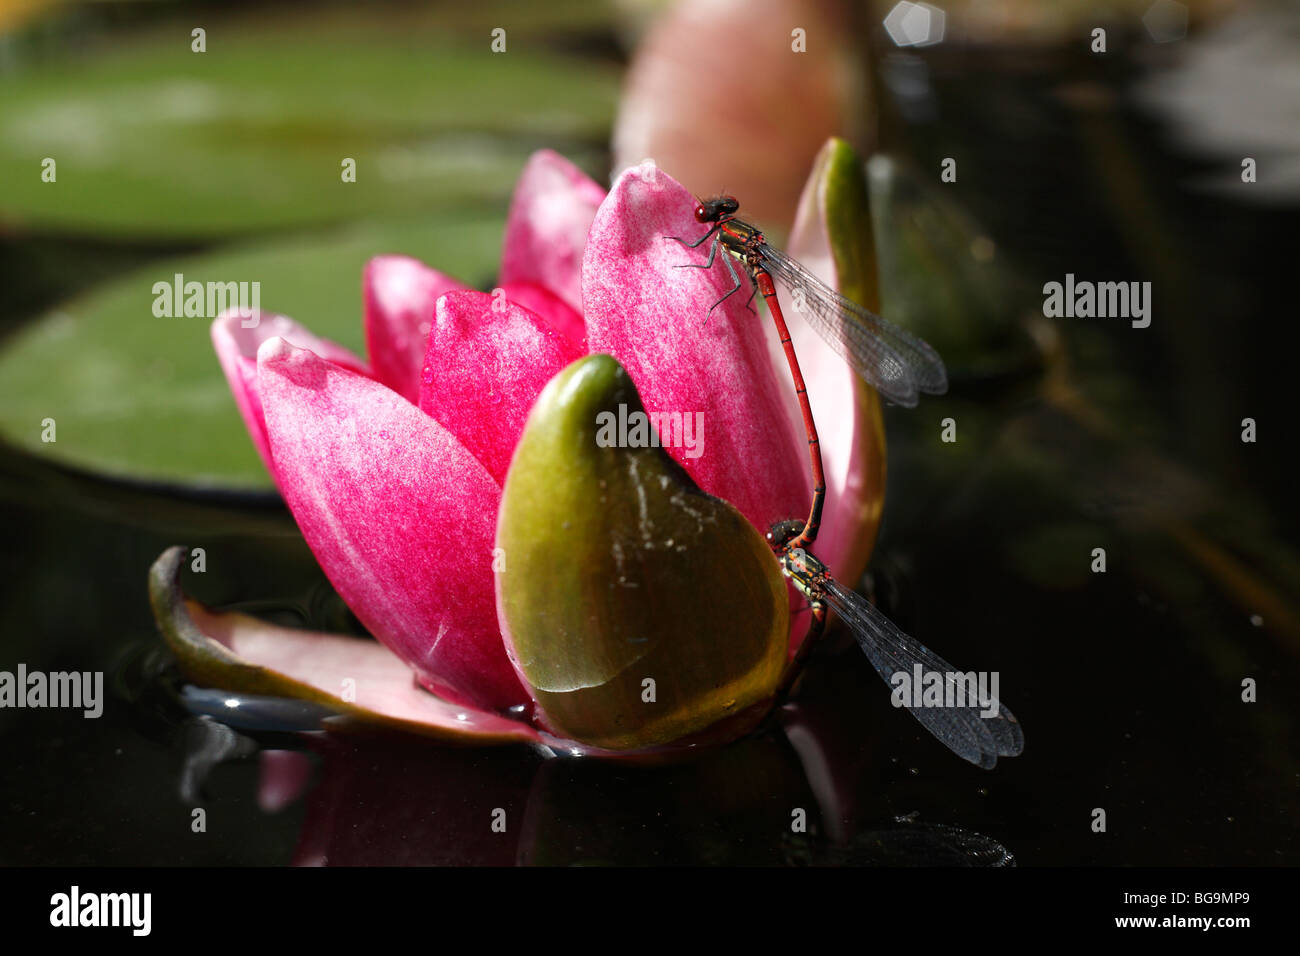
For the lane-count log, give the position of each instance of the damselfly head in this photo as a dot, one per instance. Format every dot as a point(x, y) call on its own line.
point(782, 533)
point(716, 208)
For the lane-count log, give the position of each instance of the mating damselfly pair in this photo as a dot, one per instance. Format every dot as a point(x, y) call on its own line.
point(900, 366)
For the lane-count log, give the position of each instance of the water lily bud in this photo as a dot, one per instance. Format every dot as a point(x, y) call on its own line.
point(636, 608)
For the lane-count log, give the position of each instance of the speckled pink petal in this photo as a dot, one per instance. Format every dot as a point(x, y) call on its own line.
point(549, 306)
point(400, 293)
point(488, 359)
point(546, 231)
point(399, 514)
point(236, 341)
point(654, 318)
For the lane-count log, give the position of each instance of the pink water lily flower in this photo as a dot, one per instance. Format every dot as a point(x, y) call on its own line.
point(393, 465)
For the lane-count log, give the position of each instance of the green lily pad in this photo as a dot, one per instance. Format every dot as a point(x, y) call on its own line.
point(139, 397)
point(152, 139)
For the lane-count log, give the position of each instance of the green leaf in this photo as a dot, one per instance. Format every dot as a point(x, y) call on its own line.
point(140, 397)
point(152, 139)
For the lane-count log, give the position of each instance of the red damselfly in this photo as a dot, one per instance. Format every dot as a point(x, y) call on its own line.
point(896, 363)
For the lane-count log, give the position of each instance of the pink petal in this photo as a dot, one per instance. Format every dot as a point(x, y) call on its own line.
point(488, 359)
point(549, 306)
point(654, 318)
point(400, 293)
point(546, 231)
point(236, 339)
point(350, 667)
point(399, 514)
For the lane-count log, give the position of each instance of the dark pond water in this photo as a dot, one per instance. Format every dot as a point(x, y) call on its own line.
point(1093, 434)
